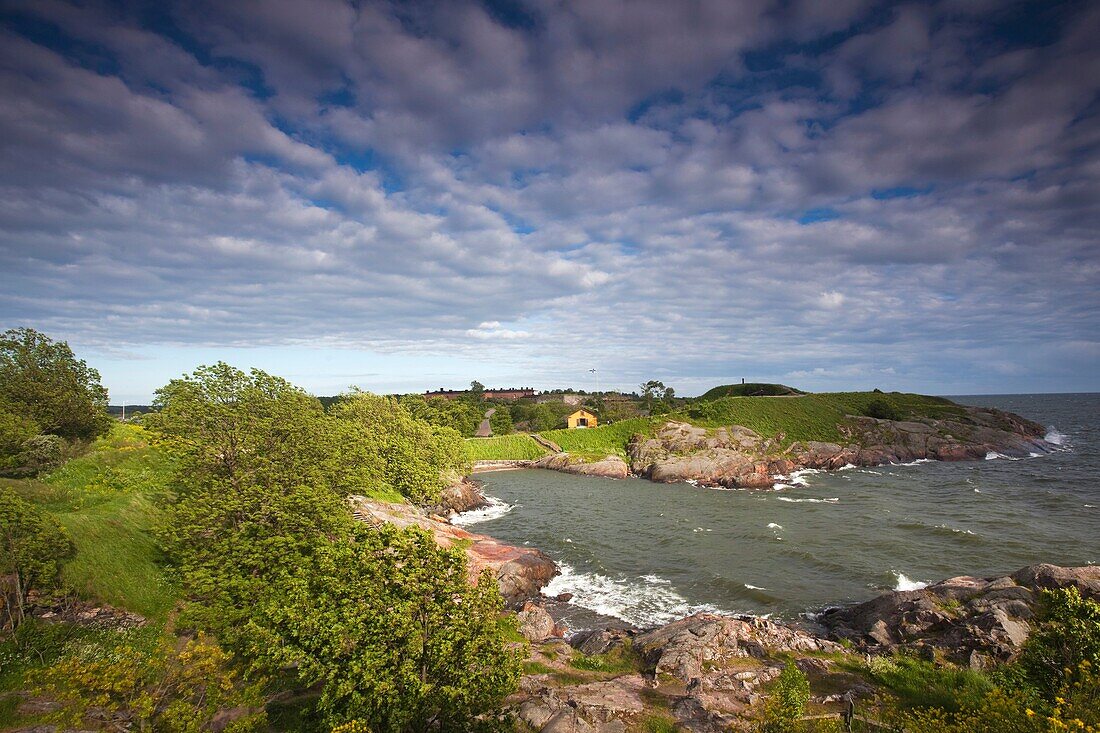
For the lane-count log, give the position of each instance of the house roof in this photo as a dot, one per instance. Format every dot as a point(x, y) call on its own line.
point(582, 412)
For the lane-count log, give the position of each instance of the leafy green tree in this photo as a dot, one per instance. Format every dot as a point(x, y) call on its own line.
point(501, 421)
point(15, 430)
point(391, 628)
point(33, 547)
point(656, 391)
point(462, 416)
point(42, 380)
point(414, 458)
point(259, 481)
point(166, 688)
point(477, 390)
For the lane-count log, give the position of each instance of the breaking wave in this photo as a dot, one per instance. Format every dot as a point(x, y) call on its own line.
point(648, 600)
point(905, 583)
point(1054, 437)
point(494, 510)
point(793, 500)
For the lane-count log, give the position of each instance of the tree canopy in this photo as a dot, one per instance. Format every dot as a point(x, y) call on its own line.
point(384, 621)
point(43, 381)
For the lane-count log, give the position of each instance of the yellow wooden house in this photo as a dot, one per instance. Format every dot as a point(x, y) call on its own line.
point(581, 419)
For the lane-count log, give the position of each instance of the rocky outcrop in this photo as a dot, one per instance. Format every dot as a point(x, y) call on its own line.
point(536, 623)
point(462, 496)
point(69, 610)
point(970, 620)
point(521, 572)
point(702, 673)
point(608, 467)
point(685, 648)
point(603, 706)
point(738, 457)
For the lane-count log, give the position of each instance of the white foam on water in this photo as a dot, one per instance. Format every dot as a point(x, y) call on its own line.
point(644, 601)
point(847, 467)
point(773, 525)
point(914, 463)
point(494, 510)
point(956, 530)
point(993, 455)
point(833, 500)
point(1054, 437)
point(750, 586)
point(905, 583)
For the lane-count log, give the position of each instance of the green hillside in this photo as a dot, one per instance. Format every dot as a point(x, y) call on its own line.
point(797, 417)
point(752, 389)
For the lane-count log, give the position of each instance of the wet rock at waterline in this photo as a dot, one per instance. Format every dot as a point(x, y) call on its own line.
point(608, 467)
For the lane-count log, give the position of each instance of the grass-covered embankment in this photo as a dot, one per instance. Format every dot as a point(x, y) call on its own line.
point(797, 417)
point(515, 447)
point(811, 416)
point(107, 501)
point(602, 441)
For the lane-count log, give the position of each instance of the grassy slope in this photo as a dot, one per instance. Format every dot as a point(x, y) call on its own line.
point(106, 500)
point(602, 441)
point(803, 417)
point(504, 447)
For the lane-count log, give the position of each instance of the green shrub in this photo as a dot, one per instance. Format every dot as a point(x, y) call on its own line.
point(881, 409)
point(32, 548)
point(1068, 634)
point(41, 454)
point(171, 689)
point(787, 703)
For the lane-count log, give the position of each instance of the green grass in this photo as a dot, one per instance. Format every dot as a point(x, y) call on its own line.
point(802, 417)
point(605, 440)
point(620, 660)
point(920, 684)
point(106, 500)
point(809, 417)
point(518, 447)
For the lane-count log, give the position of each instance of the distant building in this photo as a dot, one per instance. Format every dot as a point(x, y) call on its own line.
point(582, 419)
point(511, 393)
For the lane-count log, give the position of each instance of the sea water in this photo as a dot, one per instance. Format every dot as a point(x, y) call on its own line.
point(647, 553)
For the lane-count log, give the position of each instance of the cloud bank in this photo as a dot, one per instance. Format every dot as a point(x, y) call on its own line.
point(845, 194)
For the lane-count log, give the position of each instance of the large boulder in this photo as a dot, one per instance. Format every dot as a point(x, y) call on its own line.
point(969, 619)
point(462, 496)
point(683, 648)
point(535, 623)
point(607, 467)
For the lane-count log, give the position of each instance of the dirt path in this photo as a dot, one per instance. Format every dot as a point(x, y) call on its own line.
point(484, 430)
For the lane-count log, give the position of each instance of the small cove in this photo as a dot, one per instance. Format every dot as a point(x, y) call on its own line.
point(648, 553)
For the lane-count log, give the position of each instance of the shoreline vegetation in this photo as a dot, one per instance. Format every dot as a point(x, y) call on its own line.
point(249, 559)
point(750, 441)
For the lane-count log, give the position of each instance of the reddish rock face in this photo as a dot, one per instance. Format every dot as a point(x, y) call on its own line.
point(737, 457)
point(521, 572)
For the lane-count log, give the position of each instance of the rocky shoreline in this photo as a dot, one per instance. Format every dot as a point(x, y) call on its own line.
point(706, 671)
point(737, 457)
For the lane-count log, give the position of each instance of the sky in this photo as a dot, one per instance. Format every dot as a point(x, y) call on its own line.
point(412, 195)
